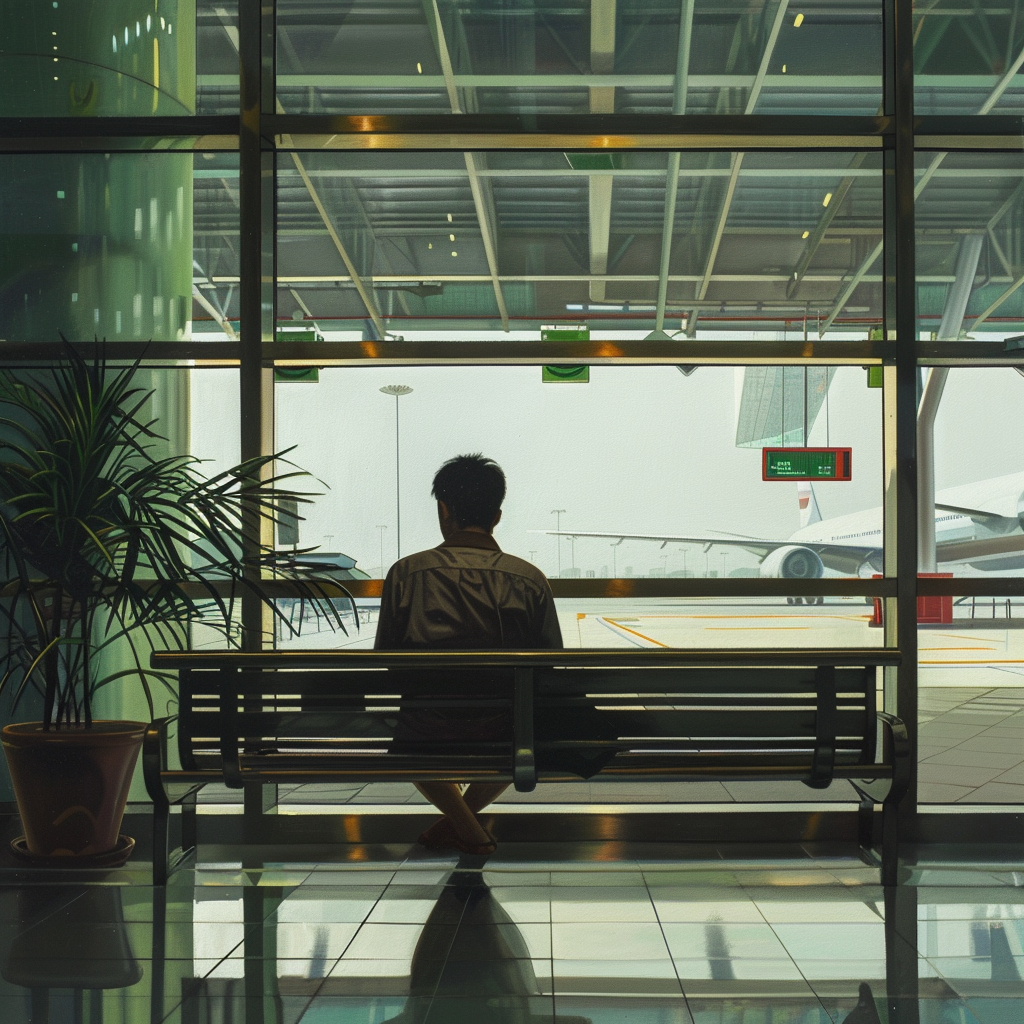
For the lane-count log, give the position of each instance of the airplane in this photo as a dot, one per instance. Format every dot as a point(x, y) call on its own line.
point(979, 524)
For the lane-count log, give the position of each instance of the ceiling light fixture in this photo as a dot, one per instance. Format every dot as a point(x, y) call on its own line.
point(827, 199)
point(798, 21)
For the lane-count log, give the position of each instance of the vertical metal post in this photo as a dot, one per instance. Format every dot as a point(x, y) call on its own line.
point(250, 47)
point(398, 487)
point(900, 321)
point(256, 298)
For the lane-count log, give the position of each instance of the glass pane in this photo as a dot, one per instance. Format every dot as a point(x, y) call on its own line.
point(962, 53)
point(115, 245)
point(970, 254)
point(77, 59)
point(414, 242)
point(971, 677)
point(216, 57)
point(979, 479)
point(688, 501)
point(559, 58)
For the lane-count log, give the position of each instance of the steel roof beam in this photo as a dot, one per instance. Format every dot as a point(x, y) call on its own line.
point(737, 161)
point(824, 222)
point(482, 199)
point(929, 173)
point(364, 292)
point(679, 96)
point(602, 101)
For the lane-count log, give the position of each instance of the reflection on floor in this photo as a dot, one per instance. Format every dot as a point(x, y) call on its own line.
point(538, 933)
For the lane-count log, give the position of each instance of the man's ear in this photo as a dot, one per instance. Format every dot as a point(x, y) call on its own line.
point(497, 519)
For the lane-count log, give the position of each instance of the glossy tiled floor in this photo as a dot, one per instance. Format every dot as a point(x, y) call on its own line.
point(537, 933)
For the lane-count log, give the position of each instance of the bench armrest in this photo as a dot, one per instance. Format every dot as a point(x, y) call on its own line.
point(896, 742)
point(154, 757)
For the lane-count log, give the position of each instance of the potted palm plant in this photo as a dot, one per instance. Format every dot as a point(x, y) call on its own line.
point(107, 541)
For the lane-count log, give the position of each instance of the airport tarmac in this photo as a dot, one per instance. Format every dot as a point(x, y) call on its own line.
point(972, 652)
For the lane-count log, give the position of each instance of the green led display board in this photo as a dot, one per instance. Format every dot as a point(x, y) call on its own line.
point(806, 463)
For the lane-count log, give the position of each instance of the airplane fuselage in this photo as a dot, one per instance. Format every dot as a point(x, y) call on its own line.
point(993, 542)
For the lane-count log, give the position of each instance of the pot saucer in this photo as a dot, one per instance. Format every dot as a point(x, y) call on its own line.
point(114, 858)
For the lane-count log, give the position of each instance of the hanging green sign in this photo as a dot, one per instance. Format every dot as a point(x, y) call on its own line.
point(565, 374)
point(297, 374)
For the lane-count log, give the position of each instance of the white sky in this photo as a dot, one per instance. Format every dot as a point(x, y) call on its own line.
point(639, 449)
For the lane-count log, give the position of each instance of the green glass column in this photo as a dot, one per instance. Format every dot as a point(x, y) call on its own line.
point(96, 244)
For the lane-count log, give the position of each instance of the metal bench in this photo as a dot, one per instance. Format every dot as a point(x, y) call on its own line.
point(328, 716)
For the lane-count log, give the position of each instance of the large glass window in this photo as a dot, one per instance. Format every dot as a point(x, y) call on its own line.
point(574, 58)
point(695, 241)
point(966, 56)
point(416, 193)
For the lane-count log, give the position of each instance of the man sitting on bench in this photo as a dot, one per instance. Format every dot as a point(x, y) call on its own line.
point(464, 594)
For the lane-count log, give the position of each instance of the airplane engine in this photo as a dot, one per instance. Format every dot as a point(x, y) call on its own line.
point(792, 563)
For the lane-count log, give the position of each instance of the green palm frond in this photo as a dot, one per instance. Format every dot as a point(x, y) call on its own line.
point(105, 539)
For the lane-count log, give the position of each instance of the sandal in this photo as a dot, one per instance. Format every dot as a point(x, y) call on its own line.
point(476, 849)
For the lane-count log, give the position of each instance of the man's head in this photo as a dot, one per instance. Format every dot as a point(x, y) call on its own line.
point(470, 490)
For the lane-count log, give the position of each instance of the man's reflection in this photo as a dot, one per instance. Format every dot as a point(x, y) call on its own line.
point(486, 974)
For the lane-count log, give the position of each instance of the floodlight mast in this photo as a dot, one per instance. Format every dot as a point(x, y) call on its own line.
point(397, 390)
point(557, 513)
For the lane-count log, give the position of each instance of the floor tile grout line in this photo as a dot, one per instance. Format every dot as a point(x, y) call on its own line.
point(668, 949)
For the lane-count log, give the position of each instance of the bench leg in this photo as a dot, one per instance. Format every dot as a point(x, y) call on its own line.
point(161, 850)
point(866, 824)
point(890, 843)
point(189, 825)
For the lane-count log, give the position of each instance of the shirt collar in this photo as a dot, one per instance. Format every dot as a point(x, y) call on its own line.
point(471, 539)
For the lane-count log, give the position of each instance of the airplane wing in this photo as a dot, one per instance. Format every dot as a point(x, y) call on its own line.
point(978, 515)
point(845, 558)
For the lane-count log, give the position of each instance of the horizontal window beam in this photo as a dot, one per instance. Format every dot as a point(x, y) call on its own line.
point(114, 134)
point(691, 587)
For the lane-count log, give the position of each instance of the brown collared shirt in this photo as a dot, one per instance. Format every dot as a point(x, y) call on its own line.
point(466, 594)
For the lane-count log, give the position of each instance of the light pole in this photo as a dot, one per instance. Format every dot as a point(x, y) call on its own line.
point(615, 573)
point(557, 513)
point(397, 390)
point(382, 529)
point(533, 556)
point(572, 551)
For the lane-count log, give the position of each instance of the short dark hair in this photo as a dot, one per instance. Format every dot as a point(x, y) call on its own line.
point(473, 488)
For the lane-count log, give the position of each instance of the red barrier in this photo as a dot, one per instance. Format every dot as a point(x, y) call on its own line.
point(932, 610)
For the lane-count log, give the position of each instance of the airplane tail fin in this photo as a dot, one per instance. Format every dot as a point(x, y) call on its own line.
point(809, 512)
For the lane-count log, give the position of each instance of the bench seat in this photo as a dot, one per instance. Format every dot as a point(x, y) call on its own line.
point(658, 715)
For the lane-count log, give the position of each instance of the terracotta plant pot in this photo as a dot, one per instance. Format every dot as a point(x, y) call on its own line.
point(72, 784)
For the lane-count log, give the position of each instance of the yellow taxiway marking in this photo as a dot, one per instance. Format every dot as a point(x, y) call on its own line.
point(753, 629)
point(975, 661)
point(649, 639)
point(953, 636)
point(957, 648)
point(817, 616)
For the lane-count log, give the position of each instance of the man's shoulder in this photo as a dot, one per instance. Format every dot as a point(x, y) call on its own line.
point(443, 557)
point(521, 567)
